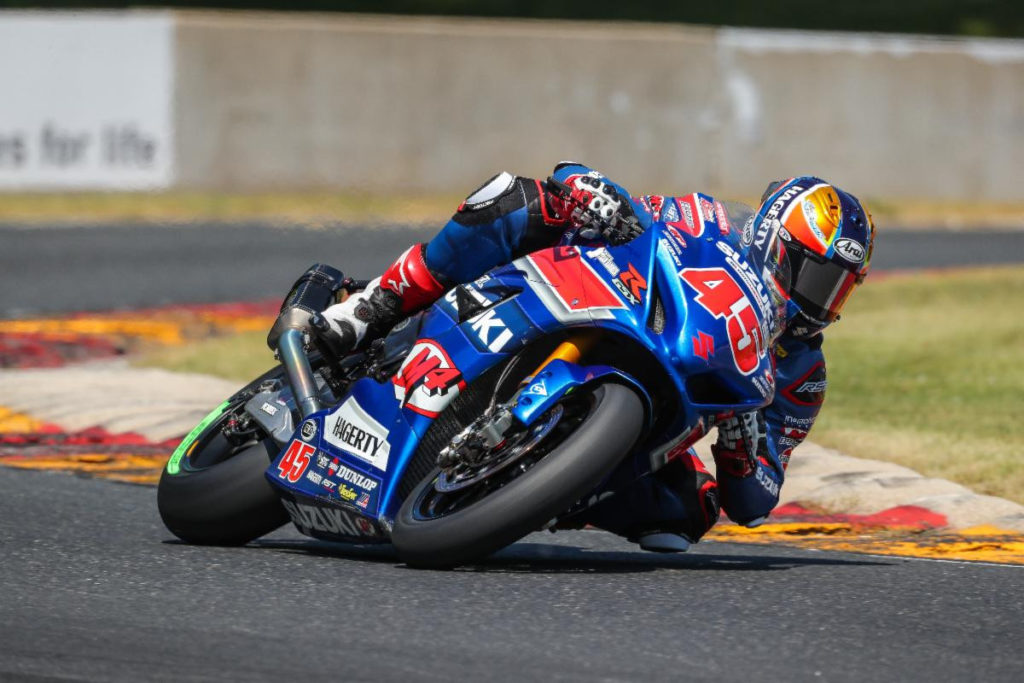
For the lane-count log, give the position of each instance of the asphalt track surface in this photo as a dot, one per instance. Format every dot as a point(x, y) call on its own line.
point(94, 588)
point(50, 270)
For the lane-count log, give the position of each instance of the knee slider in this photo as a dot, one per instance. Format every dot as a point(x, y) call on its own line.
point(499, 196)
point(490, 192)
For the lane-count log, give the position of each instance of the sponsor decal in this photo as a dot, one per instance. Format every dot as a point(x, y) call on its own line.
point(769, 484)
point(747, 237)
point(687, 213)
point(636, 282)
point(676, 237)
point(753, 283)
point(491, 330)
point(328, 484)
point(428, 379)
point(804, 422)
point(670, 213)
point(322, 460)
point(330, 520)
point(314, 477)
point(722, 217)
point(791, 437)
point(295, 461)
point(657, 201)
point(688, 225)
point(363, 482)
point(354, 431)
point(624, 291)
point(402, 271)
point(538, 388)
point(784, 457)
point(849, 249)
point(673, 251)
point(603, 257)
point(703, 345)
point(269, 409)
point(808, 390)
point(772, 214)
point(347, 493)
point(308, 430)
point(707, 210)
point(764, 387)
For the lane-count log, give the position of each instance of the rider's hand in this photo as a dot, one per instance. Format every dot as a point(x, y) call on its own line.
point(595, 206)
point(739, 438)
point(338, 329)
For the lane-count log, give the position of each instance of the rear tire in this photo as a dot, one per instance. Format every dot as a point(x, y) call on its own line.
point(561, 477)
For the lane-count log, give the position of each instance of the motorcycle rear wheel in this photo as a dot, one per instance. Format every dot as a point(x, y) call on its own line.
point(433, 533)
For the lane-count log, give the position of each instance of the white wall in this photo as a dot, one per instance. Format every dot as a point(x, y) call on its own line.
point(86, 100)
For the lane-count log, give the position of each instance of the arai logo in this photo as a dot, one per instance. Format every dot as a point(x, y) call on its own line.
point(850, 250)
point(308, 430)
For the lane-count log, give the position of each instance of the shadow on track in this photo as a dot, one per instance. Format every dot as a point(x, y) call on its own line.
point(542, 558)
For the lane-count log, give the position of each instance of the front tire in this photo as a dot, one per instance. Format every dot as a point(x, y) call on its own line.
point(607, 431)
point(219, 495)
point(229, 503)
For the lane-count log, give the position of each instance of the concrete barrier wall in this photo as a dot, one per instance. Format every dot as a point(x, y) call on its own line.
point(439, 104)
point(274, 101)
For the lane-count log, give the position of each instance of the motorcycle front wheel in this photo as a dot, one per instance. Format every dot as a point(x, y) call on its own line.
point(595, 429)
point(216, 493)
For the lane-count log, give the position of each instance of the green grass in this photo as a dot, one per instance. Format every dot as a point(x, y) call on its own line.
point(925, 370)
point(240, 357)
point(318, 207)
point(310, 208)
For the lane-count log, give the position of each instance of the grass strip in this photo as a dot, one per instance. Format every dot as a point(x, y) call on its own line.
point(321, 207)
point(925, 370)
point(307, 208)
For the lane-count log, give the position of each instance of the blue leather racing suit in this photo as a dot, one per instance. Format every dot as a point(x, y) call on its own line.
point(511, 216)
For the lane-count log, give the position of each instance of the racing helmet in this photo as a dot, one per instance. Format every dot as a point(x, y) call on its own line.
point(827, 236)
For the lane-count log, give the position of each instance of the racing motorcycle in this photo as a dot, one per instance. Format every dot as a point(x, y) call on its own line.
point(495, 412)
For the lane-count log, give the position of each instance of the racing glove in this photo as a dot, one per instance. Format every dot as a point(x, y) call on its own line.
point(595, 207)
point(739, 438)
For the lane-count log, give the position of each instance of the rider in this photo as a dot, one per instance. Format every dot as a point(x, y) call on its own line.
point(824, 236)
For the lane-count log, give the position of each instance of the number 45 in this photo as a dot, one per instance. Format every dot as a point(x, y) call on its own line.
point(295, 461)
point(720, 294)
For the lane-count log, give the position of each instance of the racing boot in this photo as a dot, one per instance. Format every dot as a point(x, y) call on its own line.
point(665, 511)
point(697, 491)
point(406, 286)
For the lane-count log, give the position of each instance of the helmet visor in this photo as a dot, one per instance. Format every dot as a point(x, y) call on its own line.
point(820, 287)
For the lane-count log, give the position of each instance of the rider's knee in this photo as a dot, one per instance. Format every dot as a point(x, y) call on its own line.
point(501, 195)
point(697, 489)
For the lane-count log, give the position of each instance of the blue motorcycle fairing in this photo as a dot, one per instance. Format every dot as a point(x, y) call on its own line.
point(558, 378)
point(709, 343)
